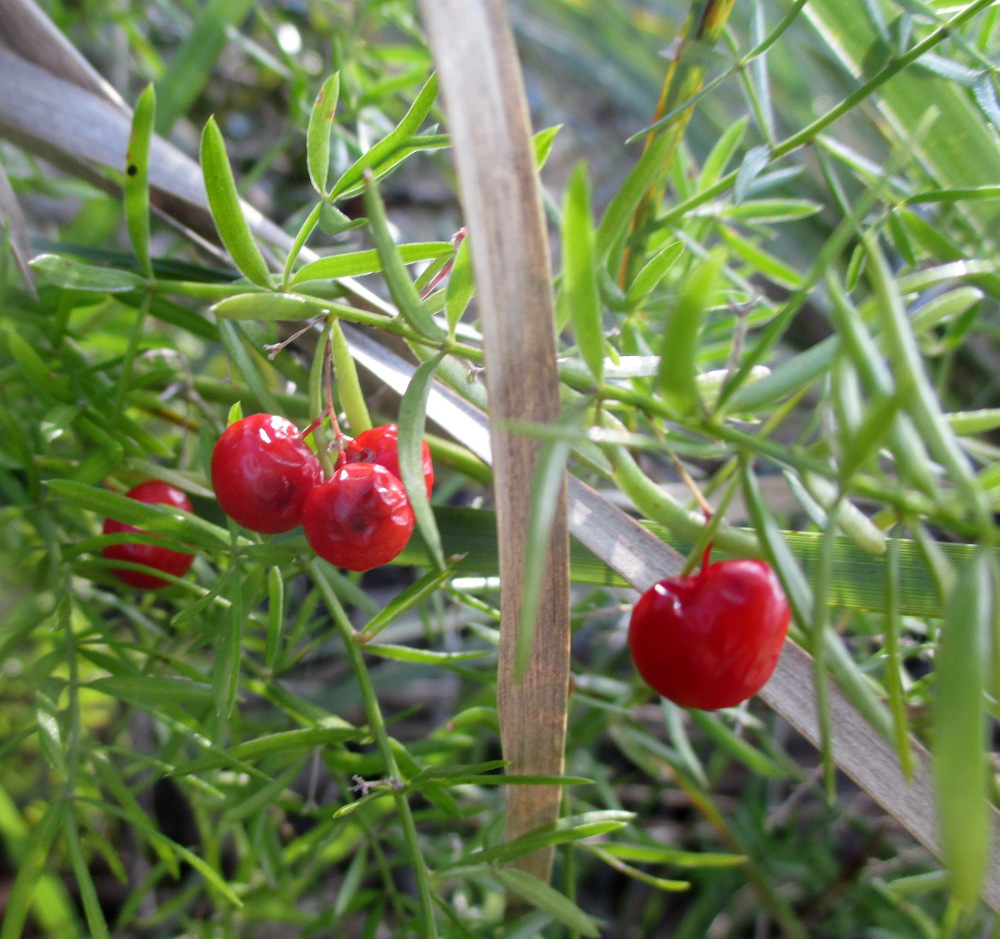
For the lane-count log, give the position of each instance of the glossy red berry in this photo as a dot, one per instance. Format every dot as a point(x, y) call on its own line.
point(359, 518)
point(713, 639)
point(163, 559)
point(381, 445)
point(262, 472)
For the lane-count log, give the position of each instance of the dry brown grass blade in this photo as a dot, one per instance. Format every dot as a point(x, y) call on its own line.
point(491, 134)
point(26, 30)
point(610, 533)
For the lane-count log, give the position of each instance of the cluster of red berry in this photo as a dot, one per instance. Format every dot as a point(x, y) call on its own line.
point(710, 640)
point(267, 479)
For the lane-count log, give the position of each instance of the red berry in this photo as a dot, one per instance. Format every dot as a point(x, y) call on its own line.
point(167, 560)
point(262, 472)
point(359, 518)
point(713, 639)
point(381, 445)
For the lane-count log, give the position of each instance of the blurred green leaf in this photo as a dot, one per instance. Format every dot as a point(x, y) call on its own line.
point(960, 755)
point(193, 64)
point(412, 415)
point(349, 390)
point(545, 898)
point(318, 132)
point(542, 141)
point(461, 286)
point(74, 274)
point(579, 277)
point(679, 344)
point(405, 601)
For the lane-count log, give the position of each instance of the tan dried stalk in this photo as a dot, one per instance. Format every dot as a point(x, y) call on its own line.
point(488, 121)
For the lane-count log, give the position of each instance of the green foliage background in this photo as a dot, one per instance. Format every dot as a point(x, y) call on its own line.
point(272, 747)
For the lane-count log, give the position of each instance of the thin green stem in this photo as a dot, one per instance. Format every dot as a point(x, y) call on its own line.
point(376, 721)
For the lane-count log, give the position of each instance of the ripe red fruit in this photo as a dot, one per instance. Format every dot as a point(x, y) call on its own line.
point(262, 472)
point(167, 560)
point(359, 518)
point(381, 445)
point(713, 639)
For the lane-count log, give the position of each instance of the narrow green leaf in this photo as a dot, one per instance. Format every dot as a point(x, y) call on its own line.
point(945, 307)
point(282, 742)
point(961, 761)
point(916, 390)
point(974, 422)
point(357, 263)
point(96, 923)
point(985, 95)
point(404, 294)
point(894, 667)
point(659, 883)
point(542, 143)
point(318, 132)
point(50, 735)
point(422, 656)
point(412, 415)
point(864, 442)
point(617, 216)
point(149, 690)
point(957, 194)
point(719, 156)
point(224, 201)
point(664, 854)
point(565, 830)
point(750, 168)
point(768, 210)
point(679, 345)
point(405, 601)
point(539, 894)
point(275, 617)
point(652, 272)
point(763, 263)
point(301, 237)
point(191, 66)
point(73, 274)
point(579, 287)
point(226, 663)
point(392, 143)
point(461, 287)
point(136, 183)
point(352, 397)
point(31, 364)
point(728, 741)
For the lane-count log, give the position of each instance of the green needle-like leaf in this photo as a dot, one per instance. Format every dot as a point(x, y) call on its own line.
point(224, 201)
point(579, 286)
point(136, 182)
point(960, 756)
point(318, 132)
